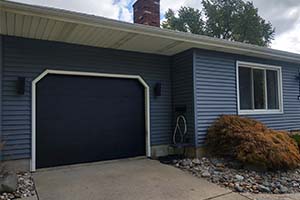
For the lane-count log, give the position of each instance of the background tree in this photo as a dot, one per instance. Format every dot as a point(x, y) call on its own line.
point(188, 20)
point(233, 20)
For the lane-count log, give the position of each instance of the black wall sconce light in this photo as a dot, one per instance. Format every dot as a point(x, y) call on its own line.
point(21, 85)
point(157, 89)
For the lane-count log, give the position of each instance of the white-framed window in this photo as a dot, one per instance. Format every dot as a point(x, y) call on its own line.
point(259, 88)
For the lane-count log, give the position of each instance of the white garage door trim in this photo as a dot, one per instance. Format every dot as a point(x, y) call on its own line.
point(79, 73)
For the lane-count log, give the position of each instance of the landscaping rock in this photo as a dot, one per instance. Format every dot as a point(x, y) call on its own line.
point(238, 188)
point(8, 183)
point(263, 188)
point(283, 189)
point(221, 172)
point(24, 187)
point(276, 191)
point(196, 161)
point(183, 163)
point(205, 174)
point(239, 178)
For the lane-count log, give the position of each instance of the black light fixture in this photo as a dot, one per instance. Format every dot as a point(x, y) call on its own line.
point(157, 89)
point(21, 85)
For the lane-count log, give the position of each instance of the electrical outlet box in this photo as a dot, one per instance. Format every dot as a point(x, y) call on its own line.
point(180, 109)
point(299, 97)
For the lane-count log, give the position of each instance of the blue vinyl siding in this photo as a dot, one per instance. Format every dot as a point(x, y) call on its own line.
point(1, 67)
point(216, 94)
point(182, 88)
point(29, 58)
point(204, 81)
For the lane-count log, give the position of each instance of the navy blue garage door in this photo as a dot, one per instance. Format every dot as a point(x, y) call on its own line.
point(85, 119)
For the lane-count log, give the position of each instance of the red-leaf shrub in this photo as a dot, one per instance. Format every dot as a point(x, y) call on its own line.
point(252, 143)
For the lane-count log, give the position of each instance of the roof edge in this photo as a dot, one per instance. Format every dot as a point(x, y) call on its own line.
point(97, 21)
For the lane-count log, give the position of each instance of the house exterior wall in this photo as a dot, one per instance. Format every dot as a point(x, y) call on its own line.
point(216, 94)
point(1, 68)
point(204, 81)
point(29, 58)
point(182, 89)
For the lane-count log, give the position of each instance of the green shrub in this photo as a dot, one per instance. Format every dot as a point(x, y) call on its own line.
point(252, 143)
point(296, 137)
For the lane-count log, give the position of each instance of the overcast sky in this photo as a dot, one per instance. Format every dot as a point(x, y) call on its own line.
point(283, 14)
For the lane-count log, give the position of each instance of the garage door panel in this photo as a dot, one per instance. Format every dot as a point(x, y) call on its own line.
point(84, 105)
point(85, 119)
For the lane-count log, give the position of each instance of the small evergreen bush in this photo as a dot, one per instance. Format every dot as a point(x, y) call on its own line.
point(296, 137)
point(252, 143)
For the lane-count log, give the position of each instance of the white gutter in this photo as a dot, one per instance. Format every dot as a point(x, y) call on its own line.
point(96, 21)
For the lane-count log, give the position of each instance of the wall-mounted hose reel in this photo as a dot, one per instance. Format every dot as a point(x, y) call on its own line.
point(180, 130)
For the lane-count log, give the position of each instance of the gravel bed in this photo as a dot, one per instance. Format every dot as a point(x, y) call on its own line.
point(232, 175)
point(25, 187)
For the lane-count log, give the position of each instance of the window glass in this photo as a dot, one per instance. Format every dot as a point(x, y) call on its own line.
point(259, 89)
point(272, 88)
point(245, 84)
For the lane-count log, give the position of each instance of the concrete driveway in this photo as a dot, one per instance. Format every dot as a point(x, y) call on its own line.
point(138, 179)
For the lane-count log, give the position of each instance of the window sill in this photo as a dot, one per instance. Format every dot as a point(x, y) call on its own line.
point(260, 112)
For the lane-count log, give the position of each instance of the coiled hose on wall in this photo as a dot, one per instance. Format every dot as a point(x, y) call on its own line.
point(178, 130)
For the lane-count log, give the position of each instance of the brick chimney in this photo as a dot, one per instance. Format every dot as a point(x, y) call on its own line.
point(147, 12)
